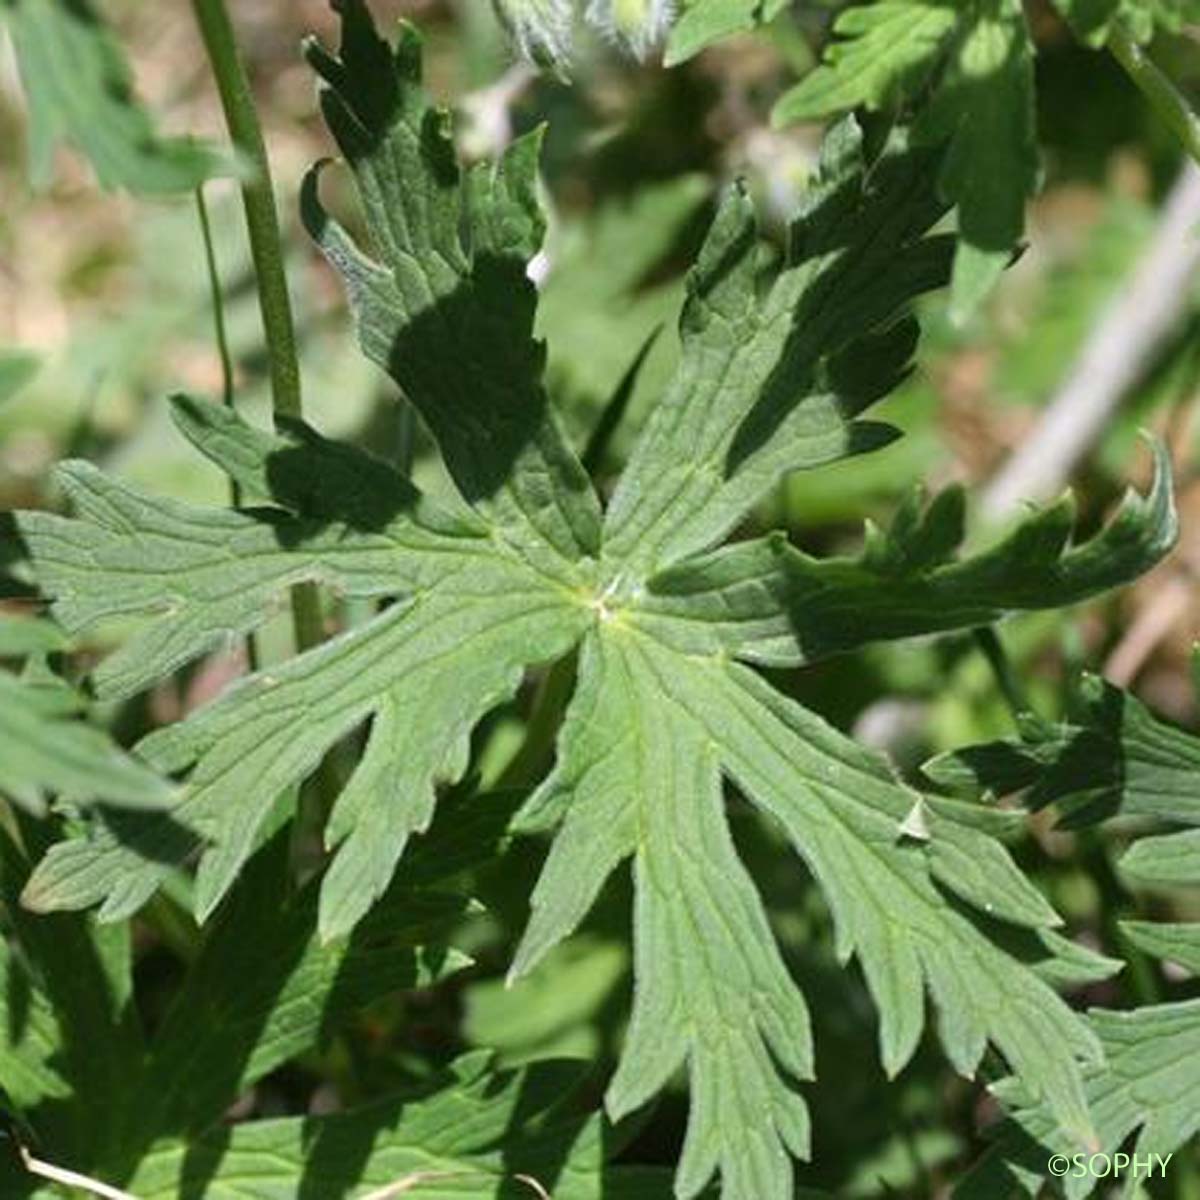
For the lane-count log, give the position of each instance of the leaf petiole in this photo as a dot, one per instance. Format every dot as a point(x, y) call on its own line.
point(222, 339)
point(1158, 88)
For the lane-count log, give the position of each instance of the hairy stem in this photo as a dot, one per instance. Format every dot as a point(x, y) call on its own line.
point(1120, 348)
point(266, 248)
point(258, 196)
point(1164, 97)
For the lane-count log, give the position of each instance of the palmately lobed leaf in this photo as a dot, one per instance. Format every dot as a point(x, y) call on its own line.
point(206, 576)
point(525, 567)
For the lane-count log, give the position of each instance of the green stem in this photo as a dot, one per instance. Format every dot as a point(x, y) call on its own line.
point(173, 925)
point(1164, 97)
point(1141, 976)
point(1007, 680)
point(266, 249)
point(222, 337)
point(258, 196)
point(406, 439)
point(218, 303)
point(549, 704)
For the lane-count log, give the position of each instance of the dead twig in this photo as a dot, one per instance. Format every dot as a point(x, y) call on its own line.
point(401, 1187)
point(411, 1182)
point(1171, 601)
point(1115, 356)
point(35, 1166)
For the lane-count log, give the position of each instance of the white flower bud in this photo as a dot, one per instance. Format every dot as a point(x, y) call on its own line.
point(639, 25)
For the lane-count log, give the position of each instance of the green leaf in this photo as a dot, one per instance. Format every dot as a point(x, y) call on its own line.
point(269, 989)
point(1177, 942)
point(22, 636)
point(74, 1035)
point(441, 296)
point(423, 672)
point(776, 381)
point(1145, 1088)
point(985, 108)
point(206, 576)
point(474, 1133)
point(981, 107)
point(30, 1038)
point(263, 986)
point(622, 788)
point(769, 602)
point(703, 22)
point(45, 749)
point(1093, 20)
point(883, 51)
point(666, 726)
point(628, 783)
point(1113, 757)
point(1171, 859)
point(79, 89)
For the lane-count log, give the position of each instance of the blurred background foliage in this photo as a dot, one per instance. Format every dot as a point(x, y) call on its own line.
point(105, 310)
